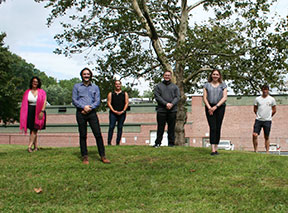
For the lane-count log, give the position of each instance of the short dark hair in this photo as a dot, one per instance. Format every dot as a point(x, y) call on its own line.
point(167, 71)
point(91, 74)
point(39, 82)
point(210, 76)
point(265, 86)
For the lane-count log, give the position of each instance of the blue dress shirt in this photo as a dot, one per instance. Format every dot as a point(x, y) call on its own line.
point(85, 95)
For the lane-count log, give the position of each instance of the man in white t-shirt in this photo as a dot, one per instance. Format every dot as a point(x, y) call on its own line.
point(264, 108)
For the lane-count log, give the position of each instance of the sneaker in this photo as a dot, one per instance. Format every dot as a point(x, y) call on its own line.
point(105, 160)
point(85, 160)
point(156, 145)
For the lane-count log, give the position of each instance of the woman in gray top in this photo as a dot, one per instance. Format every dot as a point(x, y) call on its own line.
point(214, 97)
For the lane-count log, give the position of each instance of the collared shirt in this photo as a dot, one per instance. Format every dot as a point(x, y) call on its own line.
point(85, 95)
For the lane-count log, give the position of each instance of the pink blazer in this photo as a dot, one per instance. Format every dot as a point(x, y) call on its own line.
point(24, 110)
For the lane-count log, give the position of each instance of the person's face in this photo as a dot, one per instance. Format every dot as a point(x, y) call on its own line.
point(265, 92)
point(35, 83)
point(215, 76)
point(167, 76)
point(117, 85)
point(86, 76)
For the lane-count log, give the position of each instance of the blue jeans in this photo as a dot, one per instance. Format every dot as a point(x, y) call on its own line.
point(113, 118)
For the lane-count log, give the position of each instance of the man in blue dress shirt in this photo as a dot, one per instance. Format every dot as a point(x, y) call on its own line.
point(86, 98)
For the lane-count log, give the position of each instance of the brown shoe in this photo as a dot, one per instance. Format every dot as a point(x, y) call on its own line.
point(105, 160)
point(85, 160)
point(30, 150)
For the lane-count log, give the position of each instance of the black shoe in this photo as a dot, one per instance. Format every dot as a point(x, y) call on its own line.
point(216, 153)
point(171, 145)
point(156, 145)
point(213, 153)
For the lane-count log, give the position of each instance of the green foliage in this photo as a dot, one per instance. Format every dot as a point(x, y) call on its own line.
point(142, 179)
point(132, 92)
point(148, 94)
point(56, 95)
point(240, 41)
point(10, 95)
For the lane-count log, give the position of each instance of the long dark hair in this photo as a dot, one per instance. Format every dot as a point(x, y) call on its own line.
point(210, 76)
point(39, 82)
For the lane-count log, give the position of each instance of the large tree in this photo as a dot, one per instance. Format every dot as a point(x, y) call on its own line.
point(141, 38)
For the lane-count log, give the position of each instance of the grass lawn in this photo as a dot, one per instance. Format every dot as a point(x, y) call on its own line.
point(142, 179)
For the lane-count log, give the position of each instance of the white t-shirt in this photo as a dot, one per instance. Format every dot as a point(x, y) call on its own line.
point(32, 99)
point(264, 112)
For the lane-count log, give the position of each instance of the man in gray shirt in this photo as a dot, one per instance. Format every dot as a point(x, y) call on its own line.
point(167, 96)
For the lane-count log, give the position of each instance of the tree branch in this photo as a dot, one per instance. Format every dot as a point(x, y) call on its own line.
point(194, 74)
point(148, 70)
point(120, 8)
point(221, 54)
point(152, 33)
point(196, 5)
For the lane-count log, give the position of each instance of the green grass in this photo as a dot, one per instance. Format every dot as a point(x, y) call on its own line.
point(142, 179)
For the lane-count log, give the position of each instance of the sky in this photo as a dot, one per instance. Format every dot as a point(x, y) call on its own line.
point(24, 22)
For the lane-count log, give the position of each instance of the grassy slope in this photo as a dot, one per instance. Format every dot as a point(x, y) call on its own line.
point(142, 179)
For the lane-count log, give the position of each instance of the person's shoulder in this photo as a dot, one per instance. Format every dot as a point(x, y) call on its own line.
point(159, 84)
point(94, 85)
point(206, 85)
point(223, 85)
point(78, 84)
point(174, 85)
point(271, 98)
point(258, 98)
point(42, 90)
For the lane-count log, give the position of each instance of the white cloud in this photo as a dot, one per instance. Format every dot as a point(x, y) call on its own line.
point(57, 66)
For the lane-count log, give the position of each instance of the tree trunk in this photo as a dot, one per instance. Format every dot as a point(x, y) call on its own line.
point(181, 113)
point(179, 74)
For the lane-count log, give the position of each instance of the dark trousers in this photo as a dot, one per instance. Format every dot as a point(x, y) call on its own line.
point(162, 119)
point(215, 123)
point(82, 120)
point(113, 118)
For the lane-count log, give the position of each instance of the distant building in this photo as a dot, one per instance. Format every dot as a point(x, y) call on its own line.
point(140, 125)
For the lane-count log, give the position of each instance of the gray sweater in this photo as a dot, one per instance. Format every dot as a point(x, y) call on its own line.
point(166, 92)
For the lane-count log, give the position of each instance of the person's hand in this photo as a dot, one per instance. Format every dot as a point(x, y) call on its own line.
point(87, 108)
point(169, 106)
point(211, 110)
point(40, 116)
point(83, 112)
point(118, 112)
